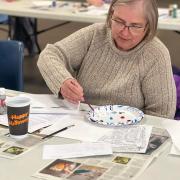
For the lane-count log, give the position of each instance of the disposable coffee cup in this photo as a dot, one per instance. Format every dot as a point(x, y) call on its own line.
point(18, 116)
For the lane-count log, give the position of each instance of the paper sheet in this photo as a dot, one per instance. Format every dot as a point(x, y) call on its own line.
point(76, 150)
point(129, 138)
point(64, 122)
point(174, 150)
point(174, 130)
point(37, 121)
point(84, 130)
point(175, 135)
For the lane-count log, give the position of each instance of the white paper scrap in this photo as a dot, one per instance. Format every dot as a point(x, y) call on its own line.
point(173, 128)
point(64, 122)
point(76, 150)
point(174, 150)
point(175, 136)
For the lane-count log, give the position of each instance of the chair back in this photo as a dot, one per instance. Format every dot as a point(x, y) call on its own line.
point(11, 65)
point(3, 19)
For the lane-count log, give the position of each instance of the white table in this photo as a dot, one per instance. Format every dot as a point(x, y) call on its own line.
point(165, 167)
point(22, 8)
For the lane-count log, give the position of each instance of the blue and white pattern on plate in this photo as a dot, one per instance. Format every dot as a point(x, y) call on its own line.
point(115, 115)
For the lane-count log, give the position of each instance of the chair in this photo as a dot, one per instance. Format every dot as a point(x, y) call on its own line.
point(5, 20)
point(11, 64)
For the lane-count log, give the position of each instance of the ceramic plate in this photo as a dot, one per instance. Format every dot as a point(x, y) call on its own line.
point(115, 115)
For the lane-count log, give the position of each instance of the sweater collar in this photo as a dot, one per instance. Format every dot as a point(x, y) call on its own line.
point(121, 52)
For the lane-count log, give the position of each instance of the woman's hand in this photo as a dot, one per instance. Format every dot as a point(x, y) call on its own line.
point(72, 91)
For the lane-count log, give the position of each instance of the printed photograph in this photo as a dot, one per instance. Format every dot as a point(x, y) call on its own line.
point(121, 160)
point(155, 142)
point(86, 172)
point(14, 150)
point(60, 168)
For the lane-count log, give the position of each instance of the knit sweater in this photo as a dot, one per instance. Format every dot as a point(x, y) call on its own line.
point(141, 77)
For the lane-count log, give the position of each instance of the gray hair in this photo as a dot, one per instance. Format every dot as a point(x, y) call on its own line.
point(150, 12)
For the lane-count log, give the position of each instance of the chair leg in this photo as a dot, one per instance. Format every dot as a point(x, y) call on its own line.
point(9, 28)
point(36, 35)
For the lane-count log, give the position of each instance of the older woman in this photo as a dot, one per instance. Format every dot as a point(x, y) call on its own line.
point(117, 62)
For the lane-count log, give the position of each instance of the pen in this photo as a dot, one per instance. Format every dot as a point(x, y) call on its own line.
point(63, 129)
point(89, 105)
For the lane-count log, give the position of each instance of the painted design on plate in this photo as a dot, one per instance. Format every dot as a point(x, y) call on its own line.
point(115, 115)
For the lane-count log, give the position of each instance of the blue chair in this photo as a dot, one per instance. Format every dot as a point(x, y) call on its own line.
point(4, 20)
point(11, 64)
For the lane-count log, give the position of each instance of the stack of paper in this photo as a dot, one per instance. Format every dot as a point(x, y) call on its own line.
point(83, 129)
point(38, 121)
point(129, 138)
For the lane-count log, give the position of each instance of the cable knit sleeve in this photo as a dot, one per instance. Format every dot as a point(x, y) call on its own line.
point(158, 84)
point(60, 61)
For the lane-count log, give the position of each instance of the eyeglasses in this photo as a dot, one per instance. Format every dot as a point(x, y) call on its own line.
point(133, 29)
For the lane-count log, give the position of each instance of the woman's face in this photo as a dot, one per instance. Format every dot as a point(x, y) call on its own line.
point(128, 25)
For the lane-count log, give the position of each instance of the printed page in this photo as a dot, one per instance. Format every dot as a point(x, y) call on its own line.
point(128, 138)
point(120, 166)
point(11, 148)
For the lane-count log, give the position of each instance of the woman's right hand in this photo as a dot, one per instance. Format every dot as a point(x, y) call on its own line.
point(72, 91)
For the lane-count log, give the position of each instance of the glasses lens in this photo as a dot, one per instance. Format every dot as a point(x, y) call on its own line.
point(136, 30)
point(132, 29)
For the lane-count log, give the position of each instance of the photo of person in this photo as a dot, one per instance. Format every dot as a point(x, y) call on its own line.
point(121, 160)
point(60, 168)
point(86, 172)
point(155, 142)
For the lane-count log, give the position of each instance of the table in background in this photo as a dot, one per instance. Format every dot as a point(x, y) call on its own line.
point(64, 11)
point(23, 8)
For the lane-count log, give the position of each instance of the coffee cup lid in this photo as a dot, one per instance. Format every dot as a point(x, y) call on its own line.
point(18, 101)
